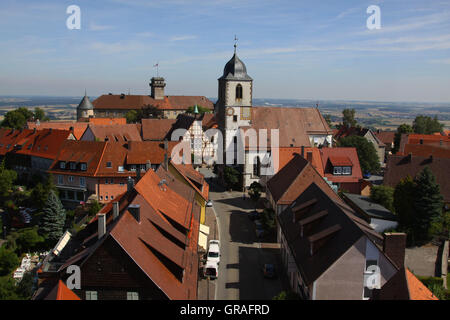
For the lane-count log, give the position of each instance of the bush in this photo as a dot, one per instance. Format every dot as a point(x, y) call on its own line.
point(283, 295)
point(8, 261)
point(231, 177)
point(383, 195)
point(28, 240)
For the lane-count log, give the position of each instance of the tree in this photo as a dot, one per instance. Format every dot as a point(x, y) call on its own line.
point(367, 155)
point(403, 206)
point(231, 177)
point(39, 114)
point(132, 116)
point(8, 289)
point(40, 193)
point(52, 222)
point(201, 110)
point(28, 240)
point(402, 129)
point(8, 261)
point(427, 125)
point(7, 178)
point(149, 112)
point(383, 195)
point(17, 119)
point(428, 202)
point(268, 218)
point(348, 119)
point(327, 118)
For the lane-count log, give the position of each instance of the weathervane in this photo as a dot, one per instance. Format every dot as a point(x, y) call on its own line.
point(235, 43)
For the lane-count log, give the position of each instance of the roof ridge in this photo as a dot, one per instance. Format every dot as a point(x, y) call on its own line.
point(101, 157)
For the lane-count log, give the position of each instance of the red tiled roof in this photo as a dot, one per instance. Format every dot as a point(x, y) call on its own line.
point(40, 143)
point(342, 156)
point(399, 167)
point(294, 124)
point(387, 137)
point(417, 290)
point(78, 127)
point(61, 292)
point(426, 150)
point(107, 121)
point(157, 129)
point(139, 101)
point(114, 133)
point(190, 174)
point(141, 151)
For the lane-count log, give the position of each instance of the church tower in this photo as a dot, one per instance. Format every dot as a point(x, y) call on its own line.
point(233, 107)
point(85, 109)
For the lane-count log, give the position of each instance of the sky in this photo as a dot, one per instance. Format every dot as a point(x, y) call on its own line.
point(320, 50)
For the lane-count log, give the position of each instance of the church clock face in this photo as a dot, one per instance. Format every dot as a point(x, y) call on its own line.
point(230, 111)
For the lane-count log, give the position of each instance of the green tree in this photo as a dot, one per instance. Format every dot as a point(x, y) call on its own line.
point(403, 128)
point(231, 177)
point(28, 240)
point(327, 118)
point(404, 206)
point(94, 207)
point(348, 118)
point(24, 288)
point(40, 193)
point(367, 155)
point(8, 289)
point(17, 119)
point(52, 222)
point(7, 178)
point(383, 195)
point(150, 112)
point(132, 116)
point(39, 114)
point(255, 195)
point(427, 125)
point(268, 219)
point(201, 110)
point(428, 202)
point(8, 261)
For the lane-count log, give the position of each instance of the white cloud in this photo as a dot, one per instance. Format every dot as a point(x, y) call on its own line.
point(182, 38)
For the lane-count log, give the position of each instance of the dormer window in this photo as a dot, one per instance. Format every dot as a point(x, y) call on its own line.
point(339, 171)
point(83, 167)
point(73, 166)
point(62, 165)
point(133, 167)
point(109, 164)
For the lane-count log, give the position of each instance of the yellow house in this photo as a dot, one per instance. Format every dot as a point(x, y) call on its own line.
point(188, 175)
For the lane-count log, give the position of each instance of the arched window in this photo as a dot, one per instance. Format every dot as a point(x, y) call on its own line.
point(238, 92)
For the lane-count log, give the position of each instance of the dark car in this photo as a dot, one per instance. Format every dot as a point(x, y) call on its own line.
point(269, 271)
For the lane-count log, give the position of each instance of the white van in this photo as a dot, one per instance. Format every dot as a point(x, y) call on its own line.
point(214, 251)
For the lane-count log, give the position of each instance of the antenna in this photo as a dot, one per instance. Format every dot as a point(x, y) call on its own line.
point(157, 69)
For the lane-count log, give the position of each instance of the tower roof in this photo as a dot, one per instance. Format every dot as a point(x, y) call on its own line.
point(235, 70)
point(85, 104)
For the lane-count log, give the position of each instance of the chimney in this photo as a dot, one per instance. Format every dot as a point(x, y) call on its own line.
point(130, 184)
point(421, 141)
point(135, 211)
point(166, 156)
point(309, 156)
point(303, 151)
point(115, 210)
point(101, 225)
point(394, 246)
point(148, 165)
point(157, 84)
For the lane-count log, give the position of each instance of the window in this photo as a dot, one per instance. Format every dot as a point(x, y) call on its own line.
point(101, 198)
point(120, 168)
point(337, 170)
point(109, 164)
point(83, 167)
point(62, 165)
point(106, 181)
point(133, 167)
point(82, 181)
point(347, 170)
point(132, 296)
point(112, 197)
point(60, 180)
point(235, 118)
point(73, 166)
point(91, 295)
point(111, 181)
point(106, 197)
point(257, 167)
point(71, 179)
point(238, 92)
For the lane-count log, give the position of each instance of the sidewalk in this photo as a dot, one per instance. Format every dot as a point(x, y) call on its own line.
point(207, 288)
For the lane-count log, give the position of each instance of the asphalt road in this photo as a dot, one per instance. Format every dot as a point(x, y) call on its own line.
point(242, 258)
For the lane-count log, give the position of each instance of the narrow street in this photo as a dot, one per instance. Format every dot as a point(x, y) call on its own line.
point(242, 256)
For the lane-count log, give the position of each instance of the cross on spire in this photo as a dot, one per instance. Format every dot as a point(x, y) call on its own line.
point(235, 43)
point(157, 68)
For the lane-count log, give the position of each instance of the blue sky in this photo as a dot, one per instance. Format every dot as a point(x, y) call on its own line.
point(292, 49)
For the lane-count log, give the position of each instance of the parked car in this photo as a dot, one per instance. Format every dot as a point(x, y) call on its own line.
point(269, 271)
point(209, 203)
point(211, 269)
point(213, 251)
